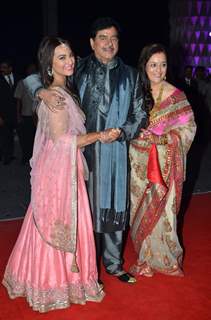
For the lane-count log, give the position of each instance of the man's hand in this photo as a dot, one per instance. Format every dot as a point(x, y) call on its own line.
point(109, 135)
point(54, 99)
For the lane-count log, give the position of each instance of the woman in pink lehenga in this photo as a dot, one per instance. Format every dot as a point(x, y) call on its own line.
point(53, 263)
point(158, 159)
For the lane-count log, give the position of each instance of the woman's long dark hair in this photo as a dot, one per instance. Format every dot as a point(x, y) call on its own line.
point(45, 60)
point(144, 57)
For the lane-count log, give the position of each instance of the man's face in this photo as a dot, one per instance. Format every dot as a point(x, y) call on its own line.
point(188, 73)
point(5, 69)
point(105, 45)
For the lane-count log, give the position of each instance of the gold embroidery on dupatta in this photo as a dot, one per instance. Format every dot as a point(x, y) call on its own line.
point(167, 165)
point(61, 236)
point(167, 226)
point(174, 206)
point(74, 203)
point(166, 261)
point(135, 189)
point(140, 171)
point(170, 115)
point(171, 244)
point(147, 254)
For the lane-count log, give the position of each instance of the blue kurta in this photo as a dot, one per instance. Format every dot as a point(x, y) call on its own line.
point(108, 163)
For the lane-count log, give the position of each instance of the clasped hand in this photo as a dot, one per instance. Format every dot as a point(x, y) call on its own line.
point(109, 135)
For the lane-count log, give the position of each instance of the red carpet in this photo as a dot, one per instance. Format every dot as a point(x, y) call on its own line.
point(160, 298)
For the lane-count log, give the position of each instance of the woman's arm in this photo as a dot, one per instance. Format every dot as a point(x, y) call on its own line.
point(89, 138)
point(107, 136)
point(58, 126)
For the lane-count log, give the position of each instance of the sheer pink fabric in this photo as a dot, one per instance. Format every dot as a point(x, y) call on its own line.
point(56, 149)
point(57, 227)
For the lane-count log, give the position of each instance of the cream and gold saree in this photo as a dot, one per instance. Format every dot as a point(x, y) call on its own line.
point(157, 176)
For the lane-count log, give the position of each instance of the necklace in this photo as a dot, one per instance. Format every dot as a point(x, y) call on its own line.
point(157, 101)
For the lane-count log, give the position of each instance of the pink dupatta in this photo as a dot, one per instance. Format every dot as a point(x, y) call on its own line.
point(54, 174)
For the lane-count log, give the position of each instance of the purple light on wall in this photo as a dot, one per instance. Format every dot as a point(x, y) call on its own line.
point(194, 30)
point(205, 61)
point(194, 20)
point(202, 21)
point(197, 34)
point(205, 35)
point(199, 5)
point(189, 60)
point(201, 48)
point(186, 46)
point(193, 47)
point(196, 60)
point(208, 4)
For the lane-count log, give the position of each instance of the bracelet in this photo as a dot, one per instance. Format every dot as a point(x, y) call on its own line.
point(163, 139)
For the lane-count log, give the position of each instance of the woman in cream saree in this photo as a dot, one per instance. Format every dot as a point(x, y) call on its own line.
point(158, 160)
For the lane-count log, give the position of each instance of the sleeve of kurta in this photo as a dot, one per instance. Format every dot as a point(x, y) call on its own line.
point(19, 90)
point(33, 83)
point(137, 116)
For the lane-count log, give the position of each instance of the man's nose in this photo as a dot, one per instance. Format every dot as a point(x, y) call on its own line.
point(110, 41)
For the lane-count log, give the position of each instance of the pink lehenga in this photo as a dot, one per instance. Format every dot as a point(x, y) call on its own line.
point(53, 263)
point(157, 176)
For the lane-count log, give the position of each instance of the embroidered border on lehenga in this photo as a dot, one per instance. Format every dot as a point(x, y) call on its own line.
point(51, 299)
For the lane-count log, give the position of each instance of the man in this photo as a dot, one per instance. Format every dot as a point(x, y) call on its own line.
point(26, 123)
point(8, 116)
point(111, 98)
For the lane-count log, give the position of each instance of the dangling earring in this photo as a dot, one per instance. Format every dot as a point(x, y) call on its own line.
point(164, 78)
point(50, 72)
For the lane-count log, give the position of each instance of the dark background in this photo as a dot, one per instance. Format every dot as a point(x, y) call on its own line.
point(21, 26)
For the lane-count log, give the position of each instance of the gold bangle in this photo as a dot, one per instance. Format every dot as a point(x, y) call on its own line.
point(163, 140)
